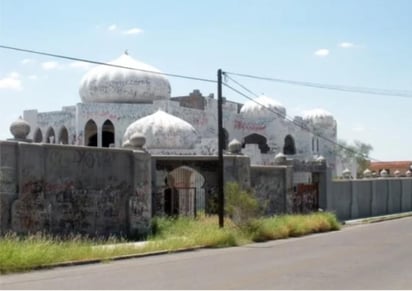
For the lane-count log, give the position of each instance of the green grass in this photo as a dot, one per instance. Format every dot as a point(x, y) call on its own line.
point(24, 253)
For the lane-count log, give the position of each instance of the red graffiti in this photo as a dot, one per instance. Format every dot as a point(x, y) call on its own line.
point(249, 126)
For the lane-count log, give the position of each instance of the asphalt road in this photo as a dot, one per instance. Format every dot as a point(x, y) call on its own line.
point(374, 256)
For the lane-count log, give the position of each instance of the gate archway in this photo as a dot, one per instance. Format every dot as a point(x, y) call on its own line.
point(184, 192)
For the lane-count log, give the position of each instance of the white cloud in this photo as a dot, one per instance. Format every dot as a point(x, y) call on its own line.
point(14, 75)
point(80, 65)
point(359, 128)
point(33, 77)
point(50, 65)
point(321, 52)
point(26, 61)
point(112, 27)
point(346, 45)
point(11, 82)
point(133, 31)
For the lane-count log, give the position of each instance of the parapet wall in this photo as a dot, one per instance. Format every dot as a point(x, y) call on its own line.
point(70, 189)
point(353, 199)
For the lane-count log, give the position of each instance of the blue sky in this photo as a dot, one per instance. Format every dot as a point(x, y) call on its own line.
point(355, 43)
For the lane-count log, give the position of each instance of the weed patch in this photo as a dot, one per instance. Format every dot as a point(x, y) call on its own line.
point(169, 234)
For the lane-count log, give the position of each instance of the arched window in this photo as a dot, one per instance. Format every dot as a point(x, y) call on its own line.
point(107, 134)
point(289, 146)
point(50, 136)
point(258, 139)
point(38, 135)
point(90, 134)
point(313, 144)
point(63, 136)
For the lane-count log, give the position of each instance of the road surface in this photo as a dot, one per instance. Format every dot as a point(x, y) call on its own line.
point(374, 256)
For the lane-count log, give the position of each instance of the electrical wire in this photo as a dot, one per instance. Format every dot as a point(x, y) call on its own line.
point(226, 74)
point(363, 90)
point(294, 122)
point(105, 64)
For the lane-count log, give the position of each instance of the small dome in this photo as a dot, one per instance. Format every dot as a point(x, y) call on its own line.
point(321, 159)
point(235, 146)
point(384, 173)
point(20, 128)
point(263, 107)
point(346, 173)
point(318, 115)
point(367, 173)
point(280, 158)
point(163, 131)
point(106, 84)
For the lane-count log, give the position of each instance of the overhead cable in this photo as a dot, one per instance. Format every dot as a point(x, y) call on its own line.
point(105, 64)
point(354, 89)
point(294, 122)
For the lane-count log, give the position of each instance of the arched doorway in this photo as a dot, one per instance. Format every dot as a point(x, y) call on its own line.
point(90, 134)
point(184, 194)
point(258, 139)
point(289, 146)
point(38, 135)
point(50, 136)
point(63, 136)
point(107, 134)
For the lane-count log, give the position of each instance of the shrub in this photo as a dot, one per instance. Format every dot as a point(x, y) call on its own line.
point(240, 205)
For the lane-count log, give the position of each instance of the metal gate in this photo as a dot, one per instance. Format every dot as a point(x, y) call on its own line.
point(306, 198)
point(180, 201)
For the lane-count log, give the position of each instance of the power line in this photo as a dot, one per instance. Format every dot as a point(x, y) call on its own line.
point(294, 122)
point(354, 89)
point(105, 64)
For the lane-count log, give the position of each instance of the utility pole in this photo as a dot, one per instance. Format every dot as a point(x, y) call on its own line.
point(220, 139)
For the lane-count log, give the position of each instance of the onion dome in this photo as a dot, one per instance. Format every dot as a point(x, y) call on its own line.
point(319, 116)
point(163, 131)
point(384, 173)
point(107, 84)
point(263, 107)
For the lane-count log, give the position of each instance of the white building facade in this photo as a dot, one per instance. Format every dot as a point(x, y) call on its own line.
point(118, 102)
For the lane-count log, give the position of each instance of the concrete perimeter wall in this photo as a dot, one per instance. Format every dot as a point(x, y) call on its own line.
point(271, 185)
point(373, 197)
point(70, 189)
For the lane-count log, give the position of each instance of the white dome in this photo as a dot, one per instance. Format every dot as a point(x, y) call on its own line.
point(163, 131)
point(318, 116)
point(117, 85)
point(258, 108)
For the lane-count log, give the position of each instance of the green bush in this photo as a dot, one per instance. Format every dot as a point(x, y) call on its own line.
point(240, 205)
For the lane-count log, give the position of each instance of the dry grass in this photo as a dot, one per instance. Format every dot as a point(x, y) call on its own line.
point(24, 253)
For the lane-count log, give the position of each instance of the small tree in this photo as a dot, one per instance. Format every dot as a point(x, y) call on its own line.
point(240, 205)
point(358, 151)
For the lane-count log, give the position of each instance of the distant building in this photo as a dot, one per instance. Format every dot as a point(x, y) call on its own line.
point(391, 167)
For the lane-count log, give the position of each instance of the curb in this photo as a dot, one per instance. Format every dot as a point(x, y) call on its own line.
point(116, 258)
point(376, 219)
